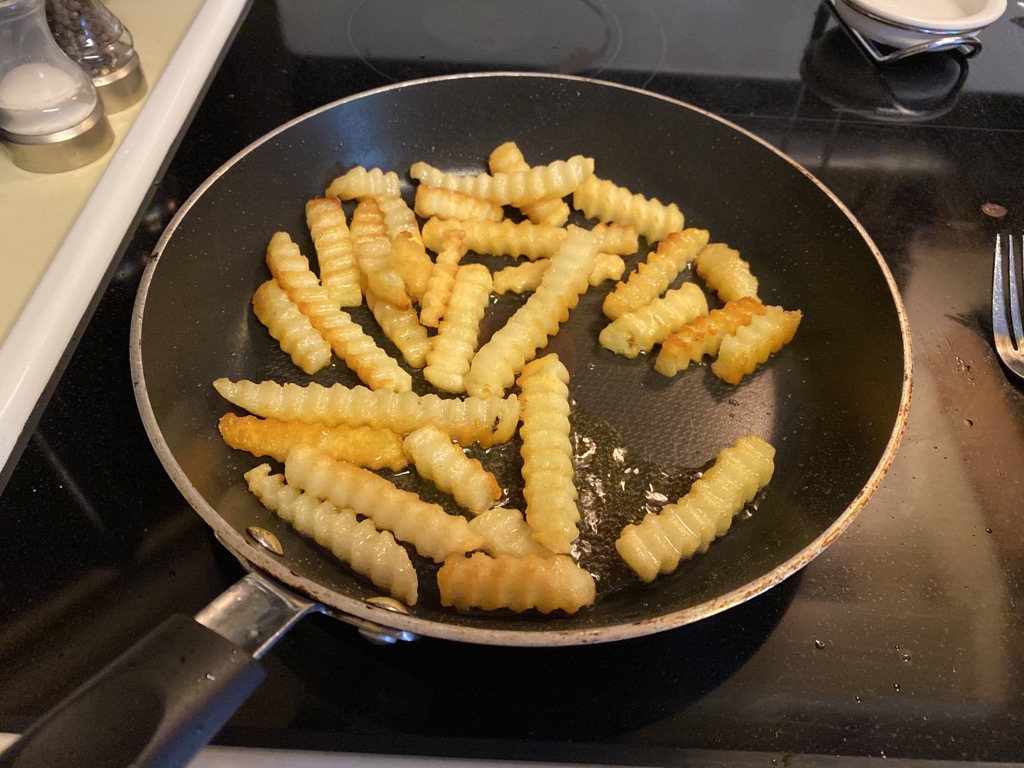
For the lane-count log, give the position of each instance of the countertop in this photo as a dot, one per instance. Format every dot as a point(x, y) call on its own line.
point(903, 640)
point(64, 231)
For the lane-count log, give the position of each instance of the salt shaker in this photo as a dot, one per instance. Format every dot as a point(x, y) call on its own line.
point(51, 118)
point(88, 32)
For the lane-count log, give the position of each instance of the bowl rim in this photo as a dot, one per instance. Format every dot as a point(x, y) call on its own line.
point(917, 18)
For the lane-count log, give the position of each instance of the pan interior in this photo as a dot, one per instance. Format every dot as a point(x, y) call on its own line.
point(831, 402)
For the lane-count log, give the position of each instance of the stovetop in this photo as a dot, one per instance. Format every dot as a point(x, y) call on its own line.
point(905, 639)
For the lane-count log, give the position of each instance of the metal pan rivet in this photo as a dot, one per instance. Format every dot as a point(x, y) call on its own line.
point(265, 539)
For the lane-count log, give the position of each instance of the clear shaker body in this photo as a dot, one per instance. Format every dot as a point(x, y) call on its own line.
point(42, 91)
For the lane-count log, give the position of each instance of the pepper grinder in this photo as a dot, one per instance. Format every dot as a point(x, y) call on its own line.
point(51, 118)
point(88, 32)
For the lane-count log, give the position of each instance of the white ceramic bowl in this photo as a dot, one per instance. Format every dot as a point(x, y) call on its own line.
point(905, 23)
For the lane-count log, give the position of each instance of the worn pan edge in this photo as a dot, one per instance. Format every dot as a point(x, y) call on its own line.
point(549, 635)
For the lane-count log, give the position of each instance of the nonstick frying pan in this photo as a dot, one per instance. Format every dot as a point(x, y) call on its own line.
point(833, 403)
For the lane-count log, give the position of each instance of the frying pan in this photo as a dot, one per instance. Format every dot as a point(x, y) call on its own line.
point(833, 403)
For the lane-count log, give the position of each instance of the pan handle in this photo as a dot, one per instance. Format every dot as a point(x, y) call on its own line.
point(164, 699)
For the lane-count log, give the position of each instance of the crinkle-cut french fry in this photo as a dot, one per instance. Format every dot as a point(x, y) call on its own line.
point(654, 275)
point(442, 279)
point(369, 552)
point(339, 272)
point(550, 493)
point(524, 238)
point(402, 327)
point(432, 531)
point(616, 238)
point(704, 335)
point(371, 364)
point(607, 266)
point(525, 277)
point(408, 255)
point(452, 349)
point(604, 200)
point(372, 247)
point(658, 543)
point(508, 158)
point(556, 179)
point(497, 362)
point(725, 272)
point(520, 278)
point(446, 465)
point(754, 343)
point(364, 446)
point(294, 331)
point(518, 583)
point(360, 182)
point(469, 420)
point(636, 332)
point(501, 238)
point(506, 532)
point(448, 204)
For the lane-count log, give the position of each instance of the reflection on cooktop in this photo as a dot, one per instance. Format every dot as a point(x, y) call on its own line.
point(395, 38)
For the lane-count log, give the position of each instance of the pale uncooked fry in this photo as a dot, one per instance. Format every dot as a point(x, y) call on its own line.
point(658, 543)
point(371, 364)
point(487, 421)
point(336, 260)
point(525, 277)
point(364, 446)
point(369, 552)
point(360, 182)
point(497, 362)
point(408, 255)
point(506, 532)
point(654, 275)
point(556, 179)
point(442, 279)
point(725, 272)
point(704, 335)
point(507, 158)
point(294, 331)
point(501, 238)
point(604, 200)
point(447, 466)
point(402, 327)
point(754, 343)
point(372, 247)
point(518, 583)
point(452, 348)
point(636, 332)
point(432, 531)
point(550, 494)
point(449, 204)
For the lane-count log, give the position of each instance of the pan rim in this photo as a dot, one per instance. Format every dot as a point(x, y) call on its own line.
point(343, 606)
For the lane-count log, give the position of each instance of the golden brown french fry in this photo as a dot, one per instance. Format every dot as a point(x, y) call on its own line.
point(373, 448)
point(371, 363)
point(518, 583)
point(294, 331)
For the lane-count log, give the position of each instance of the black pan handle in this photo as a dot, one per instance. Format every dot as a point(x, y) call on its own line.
point(164, 699)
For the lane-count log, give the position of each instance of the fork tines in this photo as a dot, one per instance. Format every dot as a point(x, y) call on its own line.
point(1006, 294)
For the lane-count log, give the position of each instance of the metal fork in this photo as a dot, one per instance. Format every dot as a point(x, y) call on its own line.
point(1006, 295)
